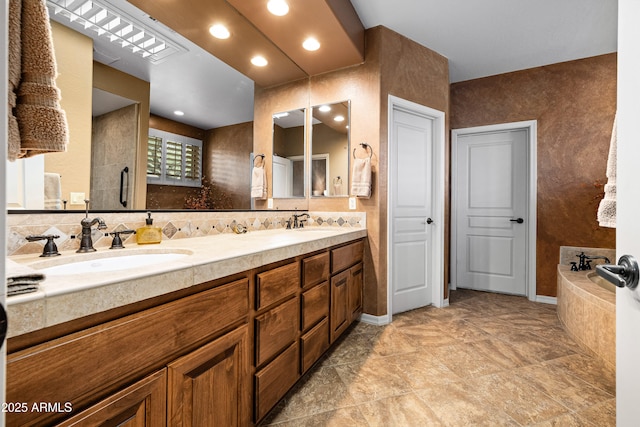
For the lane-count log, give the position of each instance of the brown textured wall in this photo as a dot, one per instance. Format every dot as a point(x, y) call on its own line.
point(574, 104)
point(412, 72)
point(227, 165)
point(393, 64)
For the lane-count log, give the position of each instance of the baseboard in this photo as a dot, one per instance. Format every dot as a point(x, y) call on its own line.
point(374, 320)
point(546, 300)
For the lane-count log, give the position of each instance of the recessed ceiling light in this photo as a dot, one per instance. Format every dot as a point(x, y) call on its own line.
point(219, 31)
point(280, 115)
point(324, 108)
point(259, 61)
point(311, 44)
point(278, 7)
point(178, 113)
point(339, 118)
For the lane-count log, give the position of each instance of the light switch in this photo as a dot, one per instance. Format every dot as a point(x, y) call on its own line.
point(270, 204)
point(352, 202)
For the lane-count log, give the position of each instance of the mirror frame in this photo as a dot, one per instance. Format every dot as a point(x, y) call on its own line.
point(346, 178)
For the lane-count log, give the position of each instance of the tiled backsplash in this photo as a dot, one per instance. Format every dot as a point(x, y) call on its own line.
point(175, 225)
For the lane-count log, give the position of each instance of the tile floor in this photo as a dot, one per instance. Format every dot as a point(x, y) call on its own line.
point(486, 360)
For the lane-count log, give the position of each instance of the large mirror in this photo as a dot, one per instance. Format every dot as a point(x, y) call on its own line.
point(217, 102)
point(330, 150)
point(288, 165)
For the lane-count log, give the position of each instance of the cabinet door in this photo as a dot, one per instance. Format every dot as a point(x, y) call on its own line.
point(210, 386)
point(355, 291)
point(340, 315)
point(143, 404)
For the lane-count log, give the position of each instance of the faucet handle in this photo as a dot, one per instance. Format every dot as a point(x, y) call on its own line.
point(50, 248)
point(116, 243)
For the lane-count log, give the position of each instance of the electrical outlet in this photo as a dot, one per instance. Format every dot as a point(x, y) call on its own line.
point(352, 202)
point(76, 198)
point(270, 204)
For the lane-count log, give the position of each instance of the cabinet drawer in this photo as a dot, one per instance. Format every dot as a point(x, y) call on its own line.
point(346, 256)
point(315, 305)
point(314, 343)
point(275, 380)
point(315, 269)
point(277, 284)
point(276, 329)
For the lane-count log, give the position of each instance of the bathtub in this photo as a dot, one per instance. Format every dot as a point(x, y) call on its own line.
point(587, 311)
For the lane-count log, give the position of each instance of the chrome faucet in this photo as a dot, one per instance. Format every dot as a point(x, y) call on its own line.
point(86, 243)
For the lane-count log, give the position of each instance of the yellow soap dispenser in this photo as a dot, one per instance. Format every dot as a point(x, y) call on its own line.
point(149, 234)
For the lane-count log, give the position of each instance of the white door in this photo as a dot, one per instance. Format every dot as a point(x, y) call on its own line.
point(410, 156)
point(491, 211)
point(628, 206)
point(282, 177)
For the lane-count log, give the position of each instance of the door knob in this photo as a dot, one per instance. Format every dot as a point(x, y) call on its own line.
point(519, 220)
point(428, 221)
point(626, 273)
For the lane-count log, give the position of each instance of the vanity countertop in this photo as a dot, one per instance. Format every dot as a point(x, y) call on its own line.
point(66, 297)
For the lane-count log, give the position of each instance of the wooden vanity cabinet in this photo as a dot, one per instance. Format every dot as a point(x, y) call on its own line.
point(143, 404)
point(209, 387)
point(346, 286)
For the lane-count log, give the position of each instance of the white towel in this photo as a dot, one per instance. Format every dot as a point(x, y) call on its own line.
point(361, 178)
point(21, 279)
point(52, 191)
point(607, 208)
point(259, 183)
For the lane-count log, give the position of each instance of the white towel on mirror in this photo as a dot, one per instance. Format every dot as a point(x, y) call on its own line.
point(52, 191)
point(361, 178)
point(259, 183)
point(607, 207)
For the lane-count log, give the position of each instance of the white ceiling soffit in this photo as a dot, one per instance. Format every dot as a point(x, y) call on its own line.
point(489, 37)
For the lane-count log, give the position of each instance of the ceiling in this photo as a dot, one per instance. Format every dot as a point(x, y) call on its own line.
point(498, 37)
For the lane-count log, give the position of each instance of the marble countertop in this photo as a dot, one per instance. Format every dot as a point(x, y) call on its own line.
point(62, 298)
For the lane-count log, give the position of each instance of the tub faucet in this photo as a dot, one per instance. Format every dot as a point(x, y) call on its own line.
point(585, 261)
point(86, 244)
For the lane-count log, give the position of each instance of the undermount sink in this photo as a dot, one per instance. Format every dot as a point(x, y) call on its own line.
point(110, 263)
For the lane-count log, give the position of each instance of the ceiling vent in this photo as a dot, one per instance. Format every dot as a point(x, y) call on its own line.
point(92, 17)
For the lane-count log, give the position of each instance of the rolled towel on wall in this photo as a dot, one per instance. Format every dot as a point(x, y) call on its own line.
point(361, 178)
point(607, 207)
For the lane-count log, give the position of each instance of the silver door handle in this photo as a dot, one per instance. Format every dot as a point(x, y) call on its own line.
point(626, 273)
point(428, 221)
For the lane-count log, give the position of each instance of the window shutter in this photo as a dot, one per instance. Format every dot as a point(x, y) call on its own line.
point(154, 157)
point(173, 160)
point(192, 162)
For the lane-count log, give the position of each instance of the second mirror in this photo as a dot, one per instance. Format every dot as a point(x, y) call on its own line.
point(288, 154)
point(330, 150)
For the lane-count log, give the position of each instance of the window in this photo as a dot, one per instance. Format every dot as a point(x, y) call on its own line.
point(173, 159)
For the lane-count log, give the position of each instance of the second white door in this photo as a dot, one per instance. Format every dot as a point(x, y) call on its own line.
point(491, 211)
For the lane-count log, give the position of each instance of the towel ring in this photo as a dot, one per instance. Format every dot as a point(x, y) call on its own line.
point(365, 146)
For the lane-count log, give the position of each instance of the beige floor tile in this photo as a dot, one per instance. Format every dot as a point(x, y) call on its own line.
point(374, 379)
point(563, 386)
point(351, 417)
point(422, 369)
point(566, 420)
point(428, 335)
point(516, 397)
point(502, 353)
point(542, 348)
point(601, 415)
point(352, 348)
point(588, 369)
point(399, 411)
point(322, 390)
point(392, 342)
point(455, 405)
point(465, 362)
